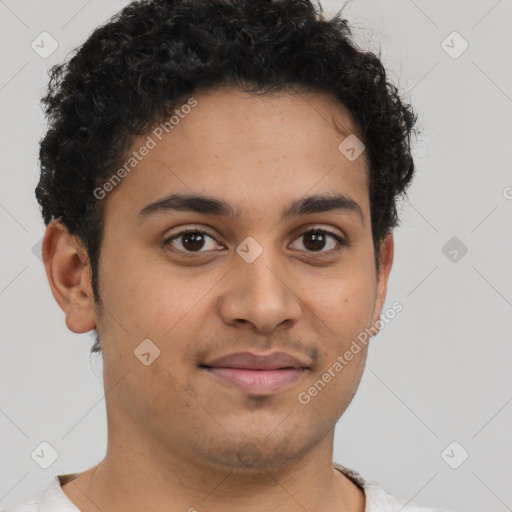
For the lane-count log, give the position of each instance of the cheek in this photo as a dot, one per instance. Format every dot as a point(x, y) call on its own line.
point(344, 304)
point(343, 314)
point(147, 298)
point(134, 287)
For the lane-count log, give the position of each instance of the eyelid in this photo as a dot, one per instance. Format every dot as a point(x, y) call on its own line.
point(186, 231)
point(339, 239)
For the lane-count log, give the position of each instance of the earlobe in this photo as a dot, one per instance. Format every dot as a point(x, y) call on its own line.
point(69, 275)
point(386, 253)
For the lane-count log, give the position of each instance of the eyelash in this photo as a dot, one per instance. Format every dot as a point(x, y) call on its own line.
point(341, 242)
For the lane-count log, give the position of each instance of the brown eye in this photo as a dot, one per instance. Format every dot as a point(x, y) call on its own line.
point(315, 240)
point(191, 241)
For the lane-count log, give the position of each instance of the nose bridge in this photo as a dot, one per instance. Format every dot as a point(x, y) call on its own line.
point(260, 292)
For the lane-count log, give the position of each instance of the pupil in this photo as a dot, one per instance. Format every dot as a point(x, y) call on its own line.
point(318, 240)
point(193, 241)
point(314, 241)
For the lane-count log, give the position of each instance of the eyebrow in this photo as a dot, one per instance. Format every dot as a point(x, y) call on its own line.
point(209, 205)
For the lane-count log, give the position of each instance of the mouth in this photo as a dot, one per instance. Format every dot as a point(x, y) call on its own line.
point(257, 374)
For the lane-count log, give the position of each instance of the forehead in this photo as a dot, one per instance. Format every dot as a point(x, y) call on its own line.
point(248, 149)
point(297, 118)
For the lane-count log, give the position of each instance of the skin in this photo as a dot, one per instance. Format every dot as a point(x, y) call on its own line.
point(178, 438)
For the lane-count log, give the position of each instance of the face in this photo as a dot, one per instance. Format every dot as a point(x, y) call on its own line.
point(245, 314)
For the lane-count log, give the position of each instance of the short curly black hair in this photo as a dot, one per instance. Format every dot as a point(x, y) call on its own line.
point(134, 70)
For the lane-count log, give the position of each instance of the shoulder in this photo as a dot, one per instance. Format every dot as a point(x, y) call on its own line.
point(31, 505)
point(378, 500)
point(50, 499)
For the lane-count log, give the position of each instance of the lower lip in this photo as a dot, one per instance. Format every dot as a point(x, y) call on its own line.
point(258, 382)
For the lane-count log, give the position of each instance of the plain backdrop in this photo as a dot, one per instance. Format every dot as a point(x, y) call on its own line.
point(433, 415)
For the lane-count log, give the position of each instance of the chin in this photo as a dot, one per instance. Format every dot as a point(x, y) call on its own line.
point(261, 450)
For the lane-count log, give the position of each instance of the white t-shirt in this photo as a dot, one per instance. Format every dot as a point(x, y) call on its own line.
point(53, 498)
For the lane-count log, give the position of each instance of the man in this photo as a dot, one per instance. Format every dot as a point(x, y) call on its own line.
point(219, 183)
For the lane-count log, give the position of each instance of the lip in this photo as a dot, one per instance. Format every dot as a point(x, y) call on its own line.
point(252, 361)
point(258, 374)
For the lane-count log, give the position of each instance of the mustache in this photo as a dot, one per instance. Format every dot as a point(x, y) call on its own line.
point(196, 354)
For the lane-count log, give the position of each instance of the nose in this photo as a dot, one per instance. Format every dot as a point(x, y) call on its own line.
point(260, 294)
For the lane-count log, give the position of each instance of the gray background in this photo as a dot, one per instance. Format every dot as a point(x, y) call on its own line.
point(438, 373)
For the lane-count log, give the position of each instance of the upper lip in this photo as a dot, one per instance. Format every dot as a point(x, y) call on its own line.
point(252, 361)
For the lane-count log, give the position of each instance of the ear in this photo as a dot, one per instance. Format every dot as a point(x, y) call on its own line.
point(69, 275)
point(386, 252)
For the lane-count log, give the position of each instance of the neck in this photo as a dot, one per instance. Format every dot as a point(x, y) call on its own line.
point(149, 478)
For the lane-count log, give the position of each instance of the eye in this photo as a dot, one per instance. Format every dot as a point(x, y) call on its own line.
point(191, 240)
point(194, 240)
point(315, 240)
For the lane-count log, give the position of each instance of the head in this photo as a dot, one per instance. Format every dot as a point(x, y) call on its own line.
point(258, 107)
